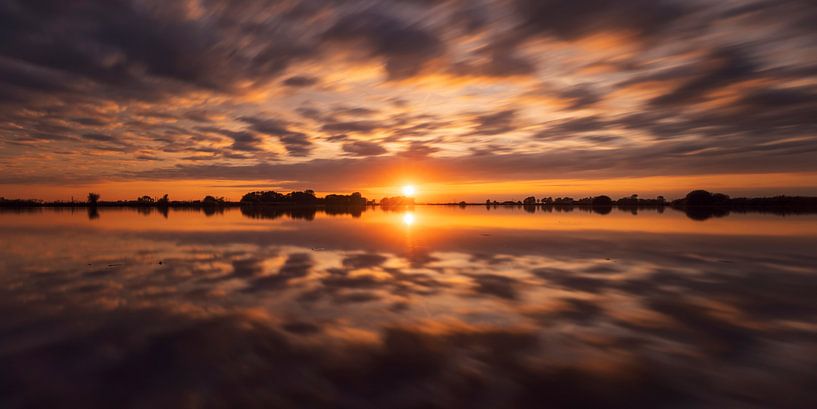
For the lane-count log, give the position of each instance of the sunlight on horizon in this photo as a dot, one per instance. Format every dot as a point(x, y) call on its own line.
point(409, 190)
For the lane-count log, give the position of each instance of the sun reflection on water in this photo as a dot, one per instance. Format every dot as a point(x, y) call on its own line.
point(408, 218)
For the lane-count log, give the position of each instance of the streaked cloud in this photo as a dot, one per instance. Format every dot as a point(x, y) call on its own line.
point(474, 91)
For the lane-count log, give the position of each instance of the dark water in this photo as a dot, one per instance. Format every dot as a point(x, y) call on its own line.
point(437, 307)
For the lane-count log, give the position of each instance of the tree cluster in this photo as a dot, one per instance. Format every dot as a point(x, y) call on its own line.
point(306, 197)
point(396, 202)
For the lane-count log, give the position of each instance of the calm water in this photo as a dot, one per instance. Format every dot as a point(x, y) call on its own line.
point(437, 307)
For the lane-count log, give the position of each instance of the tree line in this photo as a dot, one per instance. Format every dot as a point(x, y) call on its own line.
point(711, 203)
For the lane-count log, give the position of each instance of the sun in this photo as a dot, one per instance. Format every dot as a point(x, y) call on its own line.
point(409, 190)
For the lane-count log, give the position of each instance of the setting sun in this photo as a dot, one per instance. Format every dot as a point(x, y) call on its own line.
point(409, 190)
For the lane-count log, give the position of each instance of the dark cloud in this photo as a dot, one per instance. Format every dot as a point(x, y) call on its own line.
point(568, 128)
point(309, 113)
point(496, 123)
point(300, 81)
point(338, 138)
point(405, 48)
point(363, 148)
point(296, 143)
point(132, 47)
point(363, 127)
point(567, 20)
point(245, 141)
point(354, 111)
point(20, 82)
point(580, 97)
point(99, 137)
point(601, 139)
point(496, 285)
point(419, 150)
point(723, 67)
point(87, 121)
point(498, 59)
point(267, 126)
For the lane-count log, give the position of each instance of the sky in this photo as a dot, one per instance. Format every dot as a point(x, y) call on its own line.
point(464, 99)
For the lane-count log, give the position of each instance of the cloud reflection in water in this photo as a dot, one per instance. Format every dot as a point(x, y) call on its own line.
point(344, 312)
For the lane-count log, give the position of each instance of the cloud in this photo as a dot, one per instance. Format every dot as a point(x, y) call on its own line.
point(99, 137)
point(580, 97)
point(363, 148)
point(567, 128)
point(267, 126)
point(299, 81)
point(363, 127)
point(568, 20)
point(667, 158)
point(719, 69)
point(405, 48)
point(497, 59)
point(296, 143)
point(245, 141)
point(496, 285)
point(445, 84)
point(495, 123)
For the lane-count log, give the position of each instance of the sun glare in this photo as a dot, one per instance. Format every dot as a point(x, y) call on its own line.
point(409, 190)
point(408, 219)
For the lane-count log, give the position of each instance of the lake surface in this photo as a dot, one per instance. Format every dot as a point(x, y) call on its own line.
point(433, 307)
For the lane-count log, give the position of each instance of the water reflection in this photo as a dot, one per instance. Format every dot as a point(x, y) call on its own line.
point(477, 309)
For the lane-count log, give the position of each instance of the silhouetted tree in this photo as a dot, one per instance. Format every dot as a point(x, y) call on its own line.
point(93, 199)
point(530, 200)
point(396, 202)
point(697, 198)
point(212, 201)
point(164, 201)
point(602, 204)
point(602, 201)
point(353, 200)
point(262, 197)
point(563, 201)
point(145, 200)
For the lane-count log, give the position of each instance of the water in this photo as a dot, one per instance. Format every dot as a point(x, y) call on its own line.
point(435, 307)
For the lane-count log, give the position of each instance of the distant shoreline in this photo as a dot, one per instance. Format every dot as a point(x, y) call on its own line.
point(697, 204)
